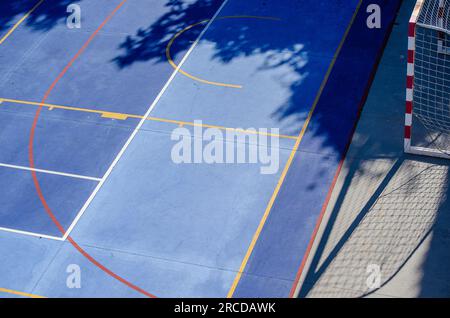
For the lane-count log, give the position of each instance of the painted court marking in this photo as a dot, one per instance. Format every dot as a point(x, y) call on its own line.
point(18, 293)
point(290, 160)
point(15, 26)
point(31, 156)
point(63, 174)
point(141, 122)
point(297, 285)
point(124, 116)
point(35, 234)
point(198, 79)
point(70, 175)
point(34, 175)
point(121, 116)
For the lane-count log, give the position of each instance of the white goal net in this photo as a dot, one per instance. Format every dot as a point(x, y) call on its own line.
point(427, 130)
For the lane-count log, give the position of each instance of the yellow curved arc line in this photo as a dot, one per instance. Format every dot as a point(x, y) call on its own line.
point(195, 78)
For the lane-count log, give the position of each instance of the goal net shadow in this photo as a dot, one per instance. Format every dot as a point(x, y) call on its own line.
point(379, 231)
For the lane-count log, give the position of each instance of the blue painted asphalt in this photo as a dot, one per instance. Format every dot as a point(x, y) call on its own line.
point(279, 252)
point(97, 82)
point(158, 210)
point(76, 142)
point(154, 208)
point(280, 64)
point(183, 230)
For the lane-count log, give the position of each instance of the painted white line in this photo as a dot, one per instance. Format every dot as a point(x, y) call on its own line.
point(5, 229)
point(70, 175)
point(141, 122)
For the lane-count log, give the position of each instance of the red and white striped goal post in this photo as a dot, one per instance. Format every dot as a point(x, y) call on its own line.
point(408, 148)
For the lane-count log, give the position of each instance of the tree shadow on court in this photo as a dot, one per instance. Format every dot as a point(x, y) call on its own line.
point(289, 54)
point(238, 38)
point(46, 16)
point(150, 43)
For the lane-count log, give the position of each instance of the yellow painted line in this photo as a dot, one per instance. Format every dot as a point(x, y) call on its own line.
point(18, 293)
point(195, 78)
point(123, 116)
point(53, 106)
point(114, 115)
point(3, 39)
point(244, 131)
point(291, 158)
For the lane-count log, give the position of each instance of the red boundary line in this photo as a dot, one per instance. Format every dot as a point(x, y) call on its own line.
point(32, 165)
point(341, 162)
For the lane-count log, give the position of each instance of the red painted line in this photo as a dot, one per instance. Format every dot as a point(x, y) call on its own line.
point(32, 165)
point(340, 165)
point(316, 228)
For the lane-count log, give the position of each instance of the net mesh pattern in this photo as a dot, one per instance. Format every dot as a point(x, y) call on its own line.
point(429, 15)
point(388, 233)
point(432, 77)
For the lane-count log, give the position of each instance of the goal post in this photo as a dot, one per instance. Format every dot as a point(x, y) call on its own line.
point(427, 120)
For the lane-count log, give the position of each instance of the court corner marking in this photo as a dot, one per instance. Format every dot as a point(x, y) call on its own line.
point(34, 234)
point(52, 172)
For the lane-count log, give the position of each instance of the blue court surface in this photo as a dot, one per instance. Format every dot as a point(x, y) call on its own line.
point(87, 126)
